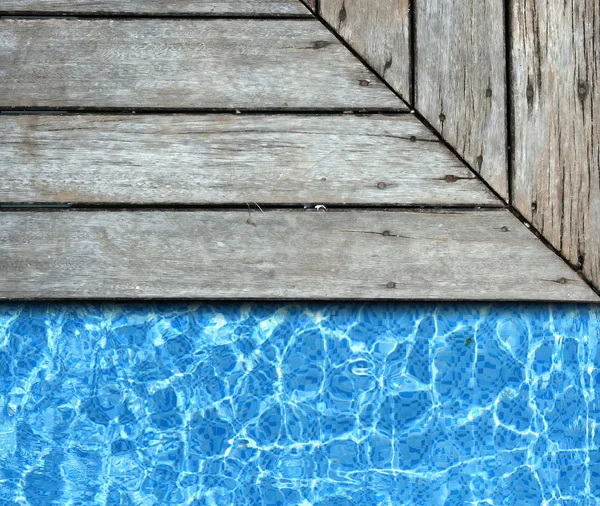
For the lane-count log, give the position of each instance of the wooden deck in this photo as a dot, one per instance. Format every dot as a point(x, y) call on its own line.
point(234, 150)
point(158, 7)
point(182, 64)
point(203, 159)
point(512, 87)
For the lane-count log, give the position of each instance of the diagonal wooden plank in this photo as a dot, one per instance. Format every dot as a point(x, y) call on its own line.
point(556, 97)
point(470, 255)
point(380, 32)
point(230, 159)
point(460, 80)
point(311, 4)
point(196, 64)
point(157, 7)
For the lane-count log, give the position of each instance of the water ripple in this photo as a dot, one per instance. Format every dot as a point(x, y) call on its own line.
point(322, 405)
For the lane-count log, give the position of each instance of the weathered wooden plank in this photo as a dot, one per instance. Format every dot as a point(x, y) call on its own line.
point(290, 254)
point(311, 4)
point(157, 7)
point(160, 63)
point(556, 98)
point(380, 32)
point(461, 80)
point(225, 159)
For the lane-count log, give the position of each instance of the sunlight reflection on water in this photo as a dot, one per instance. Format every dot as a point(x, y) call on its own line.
point(308, 404)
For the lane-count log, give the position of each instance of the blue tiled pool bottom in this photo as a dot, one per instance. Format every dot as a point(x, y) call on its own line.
point(299, 405)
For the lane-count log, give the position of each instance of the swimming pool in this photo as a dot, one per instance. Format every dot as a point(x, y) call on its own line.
point(277, 404)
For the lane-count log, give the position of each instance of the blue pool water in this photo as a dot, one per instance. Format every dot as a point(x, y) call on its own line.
point(299, 405)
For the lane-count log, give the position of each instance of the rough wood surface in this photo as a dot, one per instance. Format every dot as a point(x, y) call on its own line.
point(182, 63)
point(470, 255)
point(224, 159)
point(379, 31)
point(556, 97)
point(461, 80)
point(212, 7)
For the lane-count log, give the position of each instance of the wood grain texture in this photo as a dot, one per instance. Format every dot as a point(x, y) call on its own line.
point(556, 97)
point(157, 7)
point(200, 64)
point(461, 80)
point(470, 255)
point(230, 159)
point(380, 32)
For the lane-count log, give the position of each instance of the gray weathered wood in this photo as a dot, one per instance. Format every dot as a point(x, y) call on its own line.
point(182, 63)
point(311, 4)
point(379, 31)
point(470, 255)
point(157, 7)
point(224, 159)
point(461, 80)
point(556, 98)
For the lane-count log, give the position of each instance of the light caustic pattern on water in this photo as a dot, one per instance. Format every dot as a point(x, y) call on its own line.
point(273, 404)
